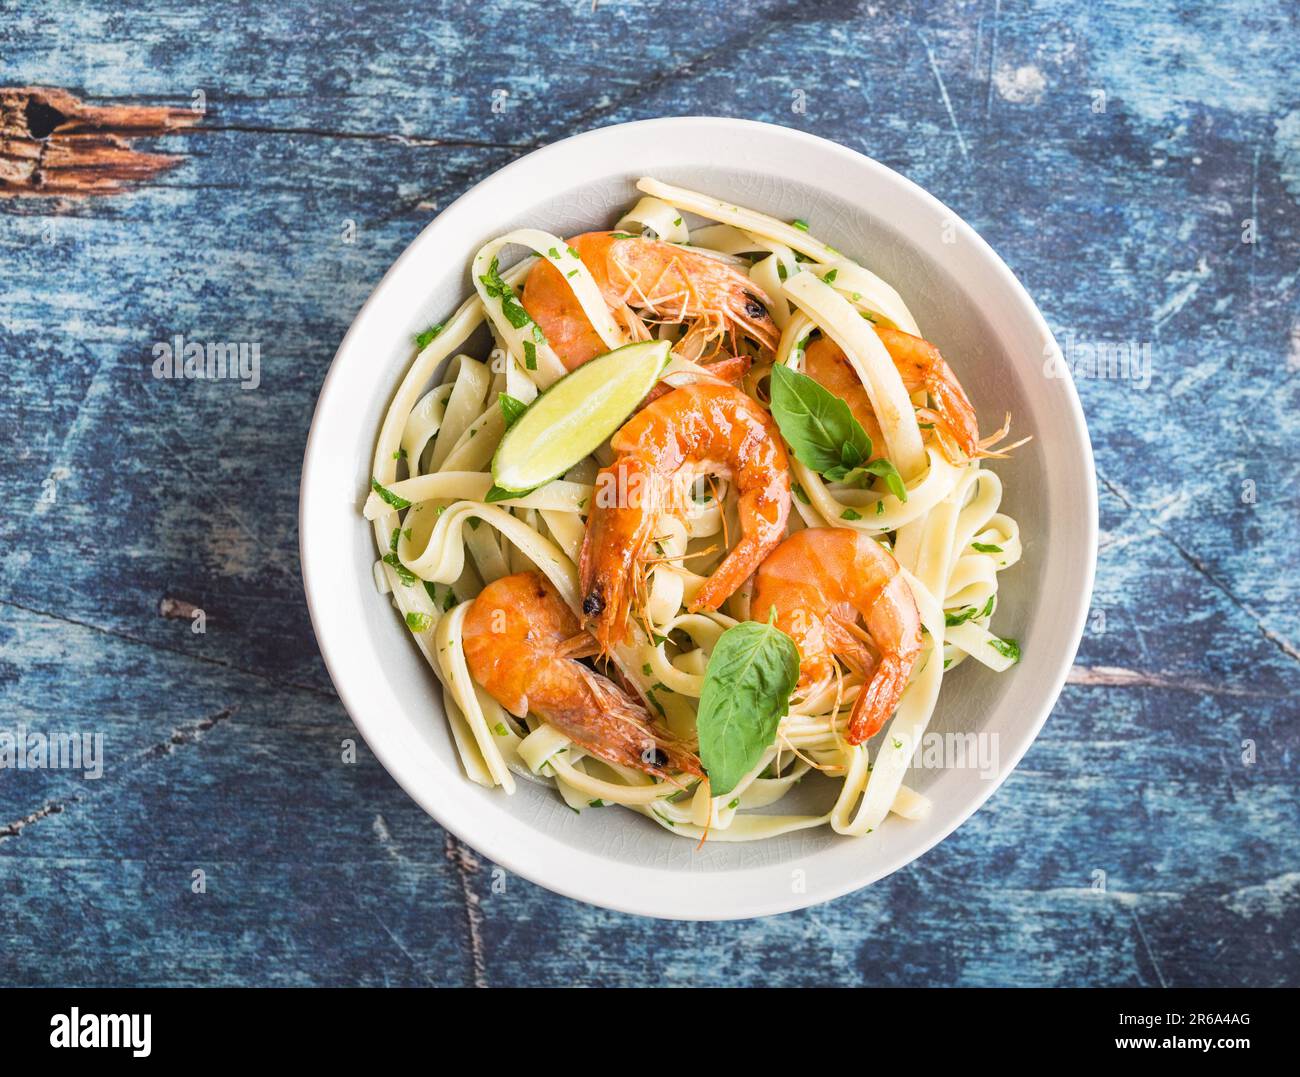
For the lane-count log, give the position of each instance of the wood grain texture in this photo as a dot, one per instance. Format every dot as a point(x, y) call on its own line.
point(53, 145)
point(1111, 153)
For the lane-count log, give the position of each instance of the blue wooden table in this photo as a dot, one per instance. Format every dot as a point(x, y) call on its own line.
point(1136, 163)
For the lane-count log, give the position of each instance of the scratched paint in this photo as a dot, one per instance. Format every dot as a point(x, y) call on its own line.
point(1110, 153)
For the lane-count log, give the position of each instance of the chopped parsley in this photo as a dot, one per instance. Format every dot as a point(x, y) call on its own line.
point(418, 622)
point(985, 547)
point(830, 277)
point(499, 289)
point(850, 514)
point(403, 573)
point(422, 340)
point(800, 224)
point(388, 497)
point(1007, 648)
point(511, 408)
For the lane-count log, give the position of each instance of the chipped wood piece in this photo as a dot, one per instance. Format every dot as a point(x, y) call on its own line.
point(53, 144)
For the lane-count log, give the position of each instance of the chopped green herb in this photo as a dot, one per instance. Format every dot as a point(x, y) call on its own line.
point(800, 493)
point(511, 408)
point(781, 271)
point(400, 454)
point(849, 514)
point(659, 640)
point(388, 497)
point(952, 620)
point(677, 223)
point(571, 273)
point(985, 547)
point(418, 622)
point(880, 508)
point(553, 253)
point(830, 277)
point(645, 668)
point(800, 224)
point(422, 340)
point(575, 254)
point(621, 235)
point(403, 573)
point(898, 744)
point(449, 602)
point(499, 289)
point(530, 355)
point(734, 804)
point(500, 729)
point(392, 542)
point(597, 803)
point(1007, 648)
point(499, 494)
point(474, 521)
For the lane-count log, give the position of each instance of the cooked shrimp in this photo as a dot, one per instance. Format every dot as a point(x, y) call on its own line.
point(522, 644)
point(921, 367)
point(820, 581)
point(700, 429)
point(644, 280)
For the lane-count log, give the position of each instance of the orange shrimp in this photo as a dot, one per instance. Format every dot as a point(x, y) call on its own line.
point(522, 644)
point(921, 367)
point(820, 581)
point(700, 429)
point(645, 280)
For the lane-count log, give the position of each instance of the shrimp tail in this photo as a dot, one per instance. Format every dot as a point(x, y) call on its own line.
point(878, 698)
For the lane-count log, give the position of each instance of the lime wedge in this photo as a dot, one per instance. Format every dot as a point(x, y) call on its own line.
point(577, 413)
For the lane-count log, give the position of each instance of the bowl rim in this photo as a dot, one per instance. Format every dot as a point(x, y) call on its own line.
point(743, 902)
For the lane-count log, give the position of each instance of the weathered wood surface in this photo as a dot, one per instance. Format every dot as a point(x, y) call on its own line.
point(1111, 153)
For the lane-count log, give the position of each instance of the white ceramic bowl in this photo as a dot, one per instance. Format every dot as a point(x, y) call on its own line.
point(965, 299)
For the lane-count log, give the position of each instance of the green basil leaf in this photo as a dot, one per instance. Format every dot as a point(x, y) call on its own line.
point(497, 493)
point(886, 470)
point(747, 685)
point(816, 424)
point(511, 408)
